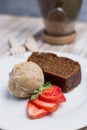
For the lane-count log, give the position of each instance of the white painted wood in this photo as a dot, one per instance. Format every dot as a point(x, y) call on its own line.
point(21, 27)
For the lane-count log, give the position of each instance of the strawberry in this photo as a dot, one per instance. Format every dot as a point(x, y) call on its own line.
point(46, 99)
point(54, 94)
point(53, 90)
point(34, 112)
point(50, 107)
point(55, 98)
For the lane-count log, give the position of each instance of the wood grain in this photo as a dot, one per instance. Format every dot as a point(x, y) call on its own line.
point(21, 27)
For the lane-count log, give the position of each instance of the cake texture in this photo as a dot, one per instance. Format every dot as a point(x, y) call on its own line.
point(61, 71)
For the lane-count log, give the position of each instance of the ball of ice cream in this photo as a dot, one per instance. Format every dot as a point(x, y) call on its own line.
point(24, 79)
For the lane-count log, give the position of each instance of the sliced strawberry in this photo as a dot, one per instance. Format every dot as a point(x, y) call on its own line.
point(54, 94)
point(34, 112)
point(53, 90)
point(51, 107)
point(60, 98)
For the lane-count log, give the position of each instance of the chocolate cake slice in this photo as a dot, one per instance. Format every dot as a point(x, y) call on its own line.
point(61, 71)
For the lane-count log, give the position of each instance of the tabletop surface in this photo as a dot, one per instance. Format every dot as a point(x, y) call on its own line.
point(21, 27)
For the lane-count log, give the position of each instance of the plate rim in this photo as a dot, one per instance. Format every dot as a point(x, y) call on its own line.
point(58, 53)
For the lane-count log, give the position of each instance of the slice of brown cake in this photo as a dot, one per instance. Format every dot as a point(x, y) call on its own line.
point(60, 71)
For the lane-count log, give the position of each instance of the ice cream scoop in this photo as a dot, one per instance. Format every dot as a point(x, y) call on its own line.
point(24, 79)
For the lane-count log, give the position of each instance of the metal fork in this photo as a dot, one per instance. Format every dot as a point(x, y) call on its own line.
point(16, 50)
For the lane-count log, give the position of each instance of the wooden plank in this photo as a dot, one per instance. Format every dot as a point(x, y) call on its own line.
point(21, 27)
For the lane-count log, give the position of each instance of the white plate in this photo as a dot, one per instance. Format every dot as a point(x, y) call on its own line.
point(71, 115)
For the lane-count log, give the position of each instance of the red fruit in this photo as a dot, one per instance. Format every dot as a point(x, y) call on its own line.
point(50, 107)
point(59, 98)
point(54, 94)
point(53, 90)
point(34, 112)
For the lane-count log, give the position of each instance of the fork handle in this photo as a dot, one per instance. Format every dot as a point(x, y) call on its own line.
point(13, 42)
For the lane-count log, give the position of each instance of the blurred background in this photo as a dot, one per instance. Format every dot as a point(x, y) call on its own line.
point(30, 8)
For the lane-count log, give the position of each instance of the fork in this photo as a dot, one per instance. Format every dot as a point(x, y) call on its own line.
point(16, 50)
point(31, 44)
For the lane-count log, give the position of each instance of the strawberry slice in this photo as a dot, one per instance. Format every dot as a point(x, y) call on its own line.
point(53, 90)
point(34, 112)
point(50, 107)
point(55, 98)
point(54, 94)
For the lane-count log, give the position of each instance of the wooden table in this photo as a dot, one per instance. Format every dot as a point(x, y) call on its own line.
point(21, 27)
